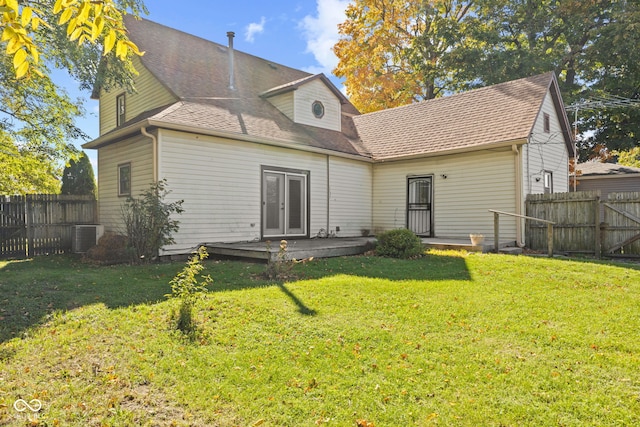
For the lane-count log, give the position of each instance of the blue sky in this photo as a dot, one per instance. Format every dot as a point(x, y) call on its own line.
point(298, 33)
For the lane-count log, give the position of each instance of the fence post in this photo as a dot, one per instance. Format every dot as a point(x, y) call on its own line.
point(550, 239)
point(598, 242)
point(496, 231)
point(29, 226)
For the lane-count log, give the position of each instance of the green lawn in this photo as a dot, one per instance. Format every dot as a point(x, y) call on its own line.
point(452, 339)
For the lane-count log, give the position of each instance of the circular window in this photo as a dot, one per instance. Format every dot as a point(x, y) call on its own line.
point(318, 109)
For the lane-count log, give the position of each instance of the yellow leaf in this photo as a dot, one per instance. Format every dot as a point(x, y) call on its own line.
point(76, 33)
point(109, 41)
point(66, 15)
point(83, 15)
point(21, 71)
point(121, 50)
point(13, 45)
point(35, 54)
point(97, 27)
point(57, 7)
point(13, 5)
point(7, 34)
point(71, 27)
point(27, 13)
point(19, 58)
point(35, 23)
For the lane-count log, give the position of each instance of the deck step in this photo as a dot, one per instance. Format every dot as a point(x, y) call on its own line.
point(511, 250)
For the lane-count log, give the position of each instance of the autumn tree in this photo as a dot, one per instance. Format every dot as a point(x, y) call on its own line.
point(85, 38)
point(394, 52)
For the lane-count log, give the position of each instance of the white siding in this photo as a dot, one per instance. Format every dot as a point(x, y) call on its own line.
point(350, 196)
point(149, 94)
point(284, 103)
point(316, 90)
point(220, 181)
point(138, 152)
point(546, 151)
point(474, 183)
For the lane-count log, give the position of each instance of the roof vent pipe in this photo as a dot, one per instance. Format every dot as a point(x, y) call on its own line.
point(231, 35)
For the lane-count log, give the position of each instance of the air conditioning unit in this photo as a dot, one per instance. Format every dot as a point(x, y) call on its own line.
point(84, 237)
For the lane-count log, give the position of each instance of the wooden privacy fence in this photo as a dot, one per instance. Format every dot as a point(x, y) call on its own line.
point(39, 224)
point(586, 224)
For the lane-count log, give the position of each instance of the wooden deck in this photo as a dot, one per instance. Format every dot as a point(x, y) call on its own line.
point(296, 249)
point(331, 247)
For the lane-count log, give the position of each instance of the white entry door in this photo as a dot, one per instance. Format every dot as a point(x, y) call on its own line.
point(284, 204)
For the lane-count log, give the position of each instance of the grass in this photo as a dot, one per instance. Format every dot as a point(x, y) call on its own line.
point(452, 339)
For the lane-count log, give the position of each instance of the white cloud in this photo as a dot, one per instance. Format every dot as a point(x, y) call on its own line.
point(253, 29)
point(321, 33)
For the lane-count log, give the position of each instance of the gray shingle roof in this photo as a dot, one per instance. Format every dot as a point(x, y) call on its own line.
point(196, 71)
point(596, 168)
point(478, 118)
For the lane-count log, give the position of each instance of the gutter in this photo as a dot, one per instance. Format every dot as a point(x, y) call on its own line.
point(119, 134)
point(154, 142)
point(518, 173)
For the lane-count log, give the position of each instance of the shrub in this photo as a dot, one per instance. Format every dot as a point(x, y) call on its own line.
point(187, 286)
point(399, 243)
point(279, 268)
point(111, 249)
point(148, 223)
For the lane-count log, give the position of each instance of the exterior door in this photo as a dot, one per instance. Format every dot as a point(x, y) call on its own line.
point(419, 201)
point(284, 204)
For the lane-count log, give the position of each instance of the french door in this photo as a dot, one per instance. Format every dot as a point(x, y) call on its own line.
point(419, 205)
point(284, 204)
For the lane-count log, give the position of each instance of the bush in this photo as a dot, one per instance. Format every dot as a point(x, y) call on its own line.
point(400, 243)
point(148, 223)
point(187, 286)
point(111, 249)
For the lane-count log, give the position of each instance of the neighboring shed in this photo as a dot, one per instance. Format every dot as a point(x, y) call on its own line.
point(607, 178)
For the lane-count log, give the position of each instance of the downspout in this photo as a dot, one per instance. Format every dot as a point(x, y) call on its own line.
point(154, 143)
point(328, 195)
point(518, 171)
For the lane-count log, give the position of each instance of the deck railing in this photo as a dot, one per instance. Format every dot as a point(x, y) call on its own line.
point(496, 228)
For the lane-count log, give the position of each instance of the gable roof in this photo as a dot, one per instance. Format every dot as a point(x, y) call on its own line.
point(196, 72)
point(503, 113)
point(596, 169)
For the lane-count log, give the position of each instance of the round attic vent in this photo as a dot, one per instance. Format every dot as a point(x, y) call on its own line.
point(318, 109)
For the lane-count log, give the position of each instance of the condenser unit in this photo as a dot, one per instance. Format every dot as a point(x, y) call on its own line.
point(85, 236)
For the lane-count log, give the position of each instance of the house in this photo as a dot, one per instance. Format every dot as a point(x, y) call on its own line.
point(607, 178)
point(261, 151)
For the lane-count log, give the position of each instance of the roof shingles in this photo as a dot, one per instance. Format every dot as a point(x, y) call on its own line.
point(493, 114)
point(196, 72)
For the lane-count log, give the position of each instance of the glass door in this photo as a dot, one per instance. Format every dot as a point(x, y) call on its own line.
point(284, 201)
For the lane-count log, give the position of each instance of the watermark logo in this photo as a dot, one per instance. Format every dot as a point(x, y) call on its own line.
point(33, 406)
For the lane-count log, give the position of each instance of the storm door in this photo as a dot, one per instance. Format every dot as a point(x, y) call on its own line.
point(419, 204)
point(284, 204)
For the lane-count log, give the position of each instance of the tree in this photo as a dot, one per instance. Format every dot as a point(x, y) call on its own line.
point(78, 178)
point(393, 52)
point(629, 157)
point(84, 37)
point(25, 172)
point(394, 49)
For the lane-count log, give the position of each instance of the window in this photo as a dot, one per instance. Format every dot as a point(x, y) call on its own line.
point(124, 179)
point(318, 109)
point(547, 123)
point(120, 110)
point(548, 182)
